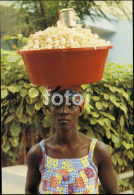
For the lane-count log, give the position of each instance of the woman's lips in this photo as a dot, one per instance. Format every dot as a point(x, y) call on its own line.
point(63, 120)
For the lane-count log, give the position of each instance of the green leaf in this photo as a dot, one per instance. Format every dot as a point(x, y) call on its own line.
point(123, 107)
point(95, 98)
point(103, 79)
point(19, 111)
point(21, 62)
point(106, 85)
point(30, 109)
point(85, 115)
point(116, 104)
point(15, 129)
point(23, 119)
point(107, 122)
point(94, 114)
point(100, 121)
point(23, 92)
point(14, 141)
point(120, 162)
point(105, 104)
point(6, 147)
point(110, 148)
point(99, 137)
point(9, 118)
point(108, 134)
point(114, 160)
point(126, 145)
point(125, 183)
point(130, 155)
point(108, 115)
point(122, 122)
point(97, 90)
point(47, 121)
point(13, 58)
point(98, 105)
point(131, 103)
point(12, 110)
point(31, 100)
point(125, 95)
point(33, 92)
point(112, 98)
point(38, 105)
point(106, 96)
point(125, 162)
point(14, 88)
point(31, 120)
point(113, 89)
point(27, 85)
point(84, 86)
point(101, 130)
point(91, 107)
point(87, 108)
point(114, 131)
point(90, 132)
point(93, 121)
point(4, 93)
point(5, 103)
point(43, 100)
point(42, 89)
point(87, 127)
point(33, 85)
point(116, 140)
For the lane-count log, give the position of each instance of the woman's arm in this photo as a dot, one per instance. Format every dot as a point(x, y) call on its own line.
point(105, 170)
point(33, 174)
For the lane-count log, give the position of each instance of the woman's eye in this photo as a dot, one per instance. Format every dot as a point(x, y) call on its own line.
point(57, 100)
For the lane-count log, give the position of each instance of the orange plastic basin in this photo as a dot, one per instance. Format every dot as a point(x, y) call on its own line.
point(68, 68)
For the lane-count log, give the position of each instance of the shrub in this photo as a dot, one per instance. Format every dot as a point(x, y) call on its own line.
point(108, 117)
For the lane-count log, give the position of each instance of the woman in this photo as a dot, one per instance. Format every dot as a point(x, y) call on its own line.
point(69, 162)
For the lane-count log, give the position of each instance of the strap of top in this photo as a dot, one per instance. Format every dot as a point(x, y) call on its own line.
point(42, 147)
point(92, 147)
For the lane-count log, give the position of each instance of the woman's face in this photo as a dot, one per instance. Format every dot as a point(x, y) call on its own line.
point(64, 115)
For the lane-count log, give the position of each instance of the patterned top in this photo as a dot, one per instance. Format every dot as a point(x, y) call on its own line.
point(68, 176)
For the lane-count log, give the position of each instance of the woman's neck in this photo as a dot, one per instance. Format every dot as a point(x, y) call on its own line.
point(67, 137)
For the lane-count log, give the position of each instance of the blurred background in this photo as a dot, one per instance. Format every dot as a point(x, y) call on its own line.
point(25, 119)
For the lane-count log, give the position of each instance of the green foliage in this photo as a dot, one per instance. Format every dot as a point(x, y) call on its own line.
point(37, 15)
point(111, 101)
point(108, 116)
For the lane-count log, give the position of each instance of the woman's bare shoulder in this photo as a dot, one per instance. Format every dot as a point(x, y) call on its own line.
point(34, 155)
point(101, 147)
point(102, 152)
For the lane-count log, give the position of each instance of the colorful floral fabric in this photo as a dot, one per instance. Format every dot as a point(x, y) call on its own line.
point(68, 176)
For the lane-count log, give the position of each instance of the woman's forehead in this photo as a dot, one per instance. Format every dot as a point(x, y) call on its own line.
point(67, 97)
point(67, 92)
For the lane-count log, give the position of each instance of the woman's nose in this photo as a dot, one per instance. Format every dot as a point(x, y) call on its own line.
point(64, 109)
